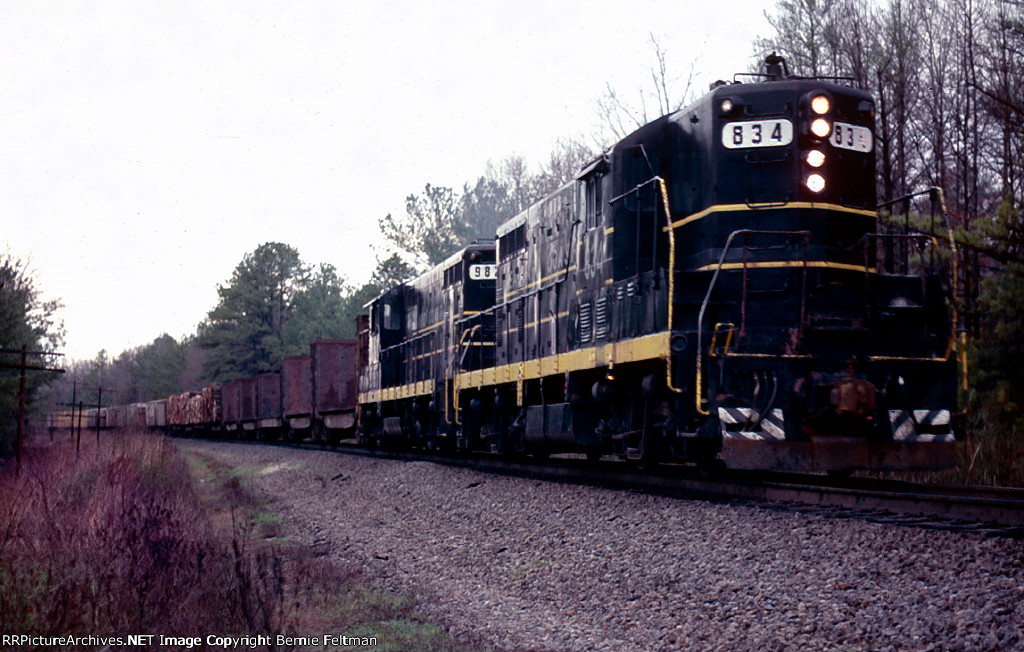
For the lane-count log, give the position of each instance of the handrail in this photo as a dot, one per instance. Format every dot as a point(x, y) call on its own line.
point(456, 388)
point(671, 282)
point(699, 394)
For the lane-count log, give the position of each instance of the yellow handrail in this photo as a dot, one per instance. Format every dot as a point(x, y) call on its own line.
point(671, 283)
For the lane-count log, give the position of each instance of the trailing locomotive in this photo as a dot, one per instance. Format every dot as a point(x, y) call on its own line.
point(714, 287)
point(420, 335)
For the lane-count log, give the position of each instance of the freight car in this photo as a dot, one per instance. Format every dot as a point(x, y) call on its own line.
point(297, 395)
point(715, 288)
point(335, 384)
point(194, 412)
point(312, 396)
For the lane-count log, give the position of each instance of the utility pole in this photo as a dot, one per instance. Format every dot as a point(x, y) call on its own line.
point(23, 368)
point(76, 423)
point(99, 408)
point(74, 397)
point(78, 442)
point(21, 404)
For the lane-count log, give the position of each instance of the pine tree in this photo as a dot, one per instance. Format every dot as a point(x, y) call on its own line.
point(245, 333)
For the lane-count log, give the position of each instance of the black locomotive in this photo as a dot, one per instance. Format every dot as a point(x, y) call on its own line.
point(714, 288)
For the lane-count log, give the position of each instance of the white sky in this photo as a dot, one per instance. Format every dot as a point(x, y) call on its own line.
point(145, 147)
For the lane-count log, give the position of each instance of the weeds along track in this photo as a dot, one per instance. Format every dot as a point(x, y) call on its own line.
point(995, 511)
point(107, 538)
point(131, 536)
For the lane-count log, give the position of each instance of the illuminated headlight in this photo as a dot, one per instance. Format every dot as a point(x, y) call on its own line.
point(726, 106)
point(815, 182)
point(820, 104)
point(821, 128)
point(815, 158)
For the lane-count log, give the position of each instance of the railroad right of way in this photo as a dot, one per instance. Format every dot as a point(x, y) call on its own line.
point(527, 564)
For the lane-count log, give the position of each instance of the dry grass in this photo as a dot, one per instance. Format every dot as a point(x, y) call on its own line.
point(131, 538)
point(993, 451)
point(117, 541)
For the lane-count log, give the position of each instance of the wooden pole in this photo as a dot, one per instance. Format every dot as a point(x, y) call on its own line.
point(99, 406)
point(21, 406)
point(23, 367)
point(78, 444)
point(74, 400)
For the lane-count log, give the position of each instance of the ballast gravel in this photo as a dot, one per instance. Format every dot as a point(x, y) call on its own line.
point(520, 564)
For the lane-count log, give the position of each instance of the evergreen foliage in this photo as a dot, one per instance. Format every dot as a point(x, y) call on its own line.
point(321, 311)
point(159, 367)
point(245, 332)
point(26, 320)
point(999, 349)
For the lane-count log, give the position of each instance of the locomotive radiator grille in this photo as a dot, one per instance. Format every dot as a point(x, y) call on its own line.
point(601, 318)
point(585, 322)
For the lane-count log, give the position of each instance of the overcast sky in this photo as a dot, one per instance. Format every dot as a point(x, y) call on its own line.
point(145, 147)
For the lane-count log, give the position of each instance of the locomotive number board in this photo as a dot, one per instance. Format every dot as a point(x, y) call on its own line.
point(855, 137)
point(757, 133)
point(483, 272)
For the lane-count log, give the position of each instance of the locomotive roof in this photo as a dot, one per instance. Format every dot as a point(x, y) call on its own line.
point(523, 216)
point(479, 245)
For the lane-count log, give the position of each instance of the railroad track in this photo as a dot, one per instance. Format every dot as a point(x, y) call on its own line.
point(994, 511)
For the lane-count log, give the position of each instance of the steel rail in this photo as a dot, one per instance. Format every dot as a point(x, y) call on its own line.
point(990, 510)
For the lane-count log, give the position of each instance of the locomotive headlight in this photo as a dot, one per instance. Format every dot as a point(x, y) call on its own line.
point(726, 106)
point(815, 158)
point(815, 182)
point(821, 128)
point(820, 104)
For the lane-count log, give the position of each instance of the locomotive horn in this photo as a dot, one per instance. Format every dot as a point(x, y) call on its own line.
point(775, 66)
